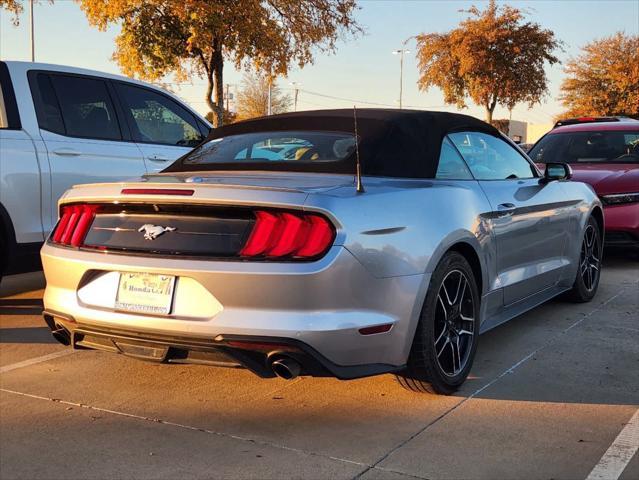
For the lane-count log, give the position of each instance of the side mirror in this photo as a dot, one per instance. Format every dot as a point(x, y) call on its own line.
point(557, 171)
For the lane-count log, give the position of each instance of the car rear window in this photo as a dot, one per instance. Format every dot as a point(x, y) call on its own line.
point(268, 147)
point(588, 147)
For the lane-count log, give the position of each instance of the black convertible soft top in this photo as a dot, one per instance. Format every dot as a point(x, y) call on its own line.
point(394, 143)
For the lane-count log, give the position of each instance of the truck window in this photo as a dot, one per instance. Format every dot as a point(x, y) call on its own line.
point(155, 118)
point(47, 107)
point(9, 115)
point(86, 107)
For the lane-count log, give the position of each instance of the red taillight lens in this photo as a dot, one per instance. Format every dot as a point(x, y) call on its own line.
point(74, 224)
point(259, 240)
point(320, 235)
point(287, 234)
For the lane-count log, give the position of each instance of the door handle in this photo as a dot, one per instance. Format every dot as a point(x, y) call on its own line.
point(157, 157)
point(505, 209)
point(67, 152)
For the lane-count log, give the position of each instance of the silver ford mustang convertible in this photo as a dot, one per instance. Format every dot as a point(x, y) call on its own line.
point(326, 243)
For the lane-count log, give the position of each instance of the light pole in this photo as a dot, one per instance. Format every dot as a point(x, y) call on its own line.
point(401, 53)
point(296, 86)
point(31, 22)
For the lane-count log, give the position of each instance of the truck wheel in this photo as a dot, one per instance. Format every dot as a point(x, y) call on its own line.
point(447, 334)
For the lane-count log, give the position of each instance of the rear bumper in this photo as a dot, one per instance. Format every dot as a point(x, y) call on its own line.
point(233, 351)
point(319, 306)
point(622, 225)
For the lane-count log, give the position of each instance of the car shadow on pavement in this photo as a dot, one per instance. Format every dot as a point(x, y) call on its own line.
point(21, 306)
point(26, 335)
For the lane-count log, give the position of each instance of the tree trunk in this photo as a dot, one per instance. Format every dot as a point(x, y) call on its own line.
point(209, 94)
point(215, 87)
point(490, 108)
point(218, 66)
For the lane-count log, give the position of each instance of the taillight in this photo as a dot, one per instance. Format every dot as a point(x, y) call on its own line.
point(74, 224)
point(288, 234)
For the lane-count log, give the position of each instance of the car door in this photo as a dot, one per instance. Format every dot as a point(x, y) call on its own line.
point(529, 218)
point(163, 129)
point(84, 138)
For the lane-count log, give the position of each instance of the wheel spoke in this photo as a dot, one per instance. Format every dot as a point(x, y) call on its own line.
point(439, 297)
point(444, 329)
point(459, 286)
point(463, 292)
point(454, 349)
point(584, 266)
point(450, 303)
point(465, 332)
point(439, 354)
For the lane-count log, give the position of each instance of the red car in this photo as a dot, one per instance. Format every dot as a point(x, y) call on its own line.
point(604, 154)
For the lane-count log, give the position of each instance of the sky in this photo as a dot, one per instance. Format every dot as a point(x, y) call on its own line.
point(363, 71)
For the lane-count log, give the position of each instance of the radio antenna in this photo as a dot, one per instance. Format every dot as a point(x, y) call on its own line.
point(359, 188)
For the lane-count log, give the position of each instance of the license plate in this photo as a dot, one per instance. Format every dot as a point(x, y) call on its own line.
point(145, 293)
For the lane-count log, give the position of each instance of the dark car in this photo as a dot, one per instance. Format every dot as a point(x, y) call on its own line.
point(605, 155)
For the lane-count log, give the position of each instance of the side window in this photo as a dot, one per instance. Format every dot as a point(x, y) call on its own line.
point(491, 158)
point(47, 107)
point(158, 119)
point(86, 108)
point(451, 166)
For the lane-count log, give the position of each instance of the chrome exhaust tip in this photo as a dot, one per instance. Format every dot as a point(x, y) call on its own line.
point(286, 368)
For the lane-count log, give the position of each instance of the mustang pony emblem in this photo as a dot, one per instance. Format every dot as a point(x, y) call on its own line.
point(151, 232)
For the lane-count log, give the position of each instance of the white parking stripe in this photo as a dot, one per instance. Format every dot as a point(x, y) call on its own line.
point(618, 455)
point(33, 361)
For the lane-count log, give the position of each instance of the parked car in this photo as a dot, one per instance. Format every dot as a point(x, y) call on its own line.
point(581, 120)
point(63, 125)
point(301, 266)
point(605, 155)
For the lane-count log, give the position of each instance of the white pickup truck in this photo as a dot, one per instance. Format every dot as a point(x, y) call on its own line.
point(61, 126)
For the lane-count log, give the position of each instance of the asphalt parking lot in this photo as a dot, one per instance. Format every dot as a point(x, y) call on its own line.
point(553, 394)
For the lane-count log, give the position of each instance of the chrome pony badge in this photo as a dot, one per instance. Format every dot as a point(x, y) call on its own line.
point(151, 232)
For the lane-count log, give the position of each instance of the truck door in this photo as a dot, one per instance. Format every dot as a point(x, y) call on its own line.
point(86, 140)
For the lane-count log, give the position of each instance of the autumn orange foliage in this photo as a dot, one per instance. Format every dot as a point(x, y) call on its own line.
point(604, 79)
point(495, 57)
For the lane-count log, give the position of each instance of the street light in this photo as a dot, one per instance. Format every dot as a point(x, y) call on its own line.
point(31, 32)
point(296, 86)
point(401, 53)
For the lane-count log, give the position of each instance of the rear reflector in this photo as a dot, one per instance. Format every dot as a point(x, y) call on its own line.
point(376, 329)
point(74, 224)
point(288, 234)
point(157, 191)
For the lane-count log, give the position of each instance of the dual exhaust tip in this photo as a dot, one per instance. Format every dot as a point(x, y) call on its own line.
point(286, 368)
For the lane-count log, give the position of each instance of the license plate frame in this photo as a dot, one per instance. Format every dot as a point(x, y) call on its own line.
point(145, 293)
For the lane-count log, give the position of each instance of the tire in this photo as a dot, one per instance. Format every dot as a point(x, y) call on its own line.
point(446, 327)
point(589, 271)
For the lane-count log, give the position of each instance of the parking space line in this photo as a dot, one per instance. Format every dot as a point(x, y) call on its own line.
point(508, 371)
point(33, 361)
point(210, 432)
point(618, 455)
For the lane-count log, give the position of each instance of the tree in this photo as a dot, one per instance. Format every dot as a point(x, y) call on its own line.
point(494, 57)
point(252, 99)
point(229, 117)
point(197, 36)
point(16, 8)
point(13, 6)
point(604, 79)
